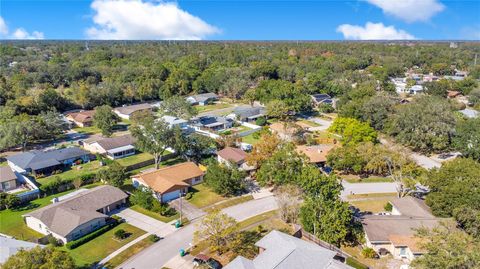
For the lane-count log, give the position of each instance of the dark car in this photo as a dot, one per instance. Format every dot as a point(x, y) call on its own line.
point(206, 261)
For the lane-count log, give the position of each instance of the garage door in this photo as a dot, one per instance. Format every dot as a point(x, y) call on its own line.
point(170, 196)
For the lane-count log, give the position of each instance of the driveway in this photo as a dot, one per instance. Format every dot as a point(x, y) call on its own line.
point(166, 249)
point(190, 211)
point(363, 188)
point(325, 124)
point(145, 222)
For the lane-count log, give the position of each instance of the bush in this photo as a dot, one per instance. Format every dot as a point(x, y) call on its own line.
point(90, 236)
point(120, 234)
point(153, 238)
point(188, 196)
point(369, 253)
point(261, 121)
point(54, 242)
point(388, 207)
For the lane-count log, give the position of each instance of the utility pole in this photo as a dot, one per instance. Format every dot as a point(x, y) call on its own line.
point(475, 62)
point(180, 220)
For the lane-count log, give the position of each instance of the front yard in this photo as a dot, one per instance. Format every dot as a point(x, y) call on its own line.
point(73, 172)
point(201, 109)
point(202, 196)
point(100, 247)
point(129, 252)
point(370, 179)
point(154, 215)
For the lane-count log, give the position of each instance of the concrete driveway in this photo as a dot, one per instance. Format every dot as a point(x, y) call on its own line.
point(190, 211)
point(145, 222)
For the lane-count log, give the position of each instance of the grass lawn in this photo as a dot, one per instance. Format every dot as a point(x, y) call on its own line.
point(310, 123)
point(129, 252)
point(100, 247)
point(257, 219)
point(11, 221)
point(372, 195)
point(374, 206)
point(162, 164)
point(202, 196)
point(88, 130)
point(73, 173)
point(216, 106)
point(371, 179)
point(134, 159)
point(250, 139)
point(154, 214)
point(230, 202)
point(356, 253)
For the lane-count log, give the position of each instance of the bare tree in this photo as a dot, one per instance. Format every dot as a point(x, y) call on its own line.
point(289, 202)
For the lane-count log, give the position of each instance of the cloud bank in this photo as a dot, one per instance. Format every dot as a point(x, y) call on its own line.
point(409, 10)
point(372, 31)
point(138, 19)
point(19, 33)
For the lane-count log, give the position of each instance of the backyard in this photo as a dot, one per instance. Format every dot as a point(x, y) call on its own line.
point(251, 139)
point(134, 159)
point(100, 247)
point(73, 172)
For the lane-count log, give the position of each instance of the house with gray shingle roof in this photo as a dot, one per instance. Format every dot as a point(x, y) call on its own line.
point(202, 99)
point(43, 162)
point(113, 147)
point(10, 246)
point(247, 114)
point(77, 216)
point(282, 251)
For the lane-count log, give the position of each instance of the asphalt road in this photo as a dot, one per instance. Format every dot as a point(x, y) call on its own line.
point(362, 188)
point(160, 253)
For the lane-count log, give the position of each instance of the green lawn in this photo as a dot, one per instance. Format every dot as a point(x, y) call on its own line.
point(73, 173)
point(310, 123)
point(129, 252)
point(87, 130)
point(374, 206)
point(207, 108)
point(250, 139)
point(154, 215)
point(11, 221)
point(162, 164)
point(230, 202)
point(372, 195)
point(138, 158)
point(100, 247)
point(203, 196)
point(370, 179)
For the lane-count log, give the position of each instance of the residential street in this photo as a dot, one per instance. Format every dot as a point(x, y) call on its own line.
point(362, 188)
point(422, 160)
point(160, 253)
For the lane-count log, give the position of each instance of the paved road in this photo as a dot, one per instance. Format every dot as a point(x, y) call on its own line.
point(160, 253)
point(420, 159)
point(362, 188)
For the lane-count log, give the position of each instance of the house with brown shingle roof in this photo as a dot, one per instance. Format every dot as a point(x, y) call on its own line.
point(395, 233)
point(125, 112)
point(168, 183)
point(113, 147)
point(317, 154)
point(236, 156)
point(76, 216)
point(83, 118)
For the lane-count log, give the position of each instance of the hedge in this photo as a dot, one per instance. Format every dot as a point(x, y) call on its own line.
point(355, 264)
point(66, 184)
point(90, 236)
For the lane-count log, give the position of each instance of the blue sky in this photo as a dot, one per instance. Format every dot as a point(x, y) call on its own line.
point(240, 20)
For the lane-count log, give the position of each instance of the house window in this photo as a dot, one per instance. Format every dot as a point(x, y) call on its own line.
point(40, 226)
point(403, 251)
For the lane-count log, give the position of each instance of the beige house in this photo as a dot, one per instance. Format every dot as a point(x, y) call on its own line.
point(77, 216)
point(82, 118)
point(113, 147)
point(317, 154)
point(8, 179)
point(395, 233)
point(236, 156)
point(170, 182)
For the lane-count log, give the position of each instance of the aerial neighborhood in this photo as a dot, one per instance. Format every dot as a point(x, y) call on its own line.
point(267, 155)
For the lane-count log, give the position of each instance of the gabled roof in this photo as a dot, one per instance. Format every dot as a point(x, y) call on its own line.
point(82, 116)
point(203, 97)
point(169, 178)
point(412, 207)
point(235, 155)
point(116, 142)
point(37, 159)
point(127, 110)
point(283, 251)
point(245, 112)
point(316, 153)
point(63, 217)
point(173, 120)
point(6, 174)
point(380, 228)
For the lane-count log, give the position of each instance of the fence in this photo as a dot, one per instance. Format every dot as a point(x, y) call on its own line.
point(148, 162)
point(30, 195)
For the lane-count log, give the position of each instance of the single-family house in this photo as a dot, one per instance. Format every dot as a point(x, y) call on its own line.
point(77, 216)
point(113, 147)
point(168, 183)
point(317, 154)
point(236, 156)
point(175, 122)
point(10, 246)
point(44, 162)
point(287, 131)
point(453, 94)
point(83, 118)
point(202, 99)
point(125, 112)
point(247, 114)
point(278, 250)
point(415, 89)
point(213, 123)
point(321, 98)
point(8, 179)
point(395, 233)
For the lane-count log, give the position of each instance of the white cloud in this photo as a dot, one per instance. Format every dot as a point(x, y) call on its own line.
point(136, 19)
point(409, 10)
point(19, 33)
point(372, 31)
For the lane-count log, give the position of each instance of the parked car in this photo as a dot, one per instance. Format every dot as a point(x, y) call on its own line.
point(202, 259)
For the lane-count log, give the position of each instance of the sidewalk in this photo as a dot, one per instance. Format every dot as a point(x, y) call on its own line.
point(118, 251)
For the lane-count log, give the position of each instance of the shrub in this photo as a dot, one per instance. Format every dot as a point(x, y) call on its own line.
point(369, 253)
point(120, 234)
point(54, 242)
point(90, 236)
point(188, 196)
point(388, 207)
point(261, 121)
point(153, 238)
